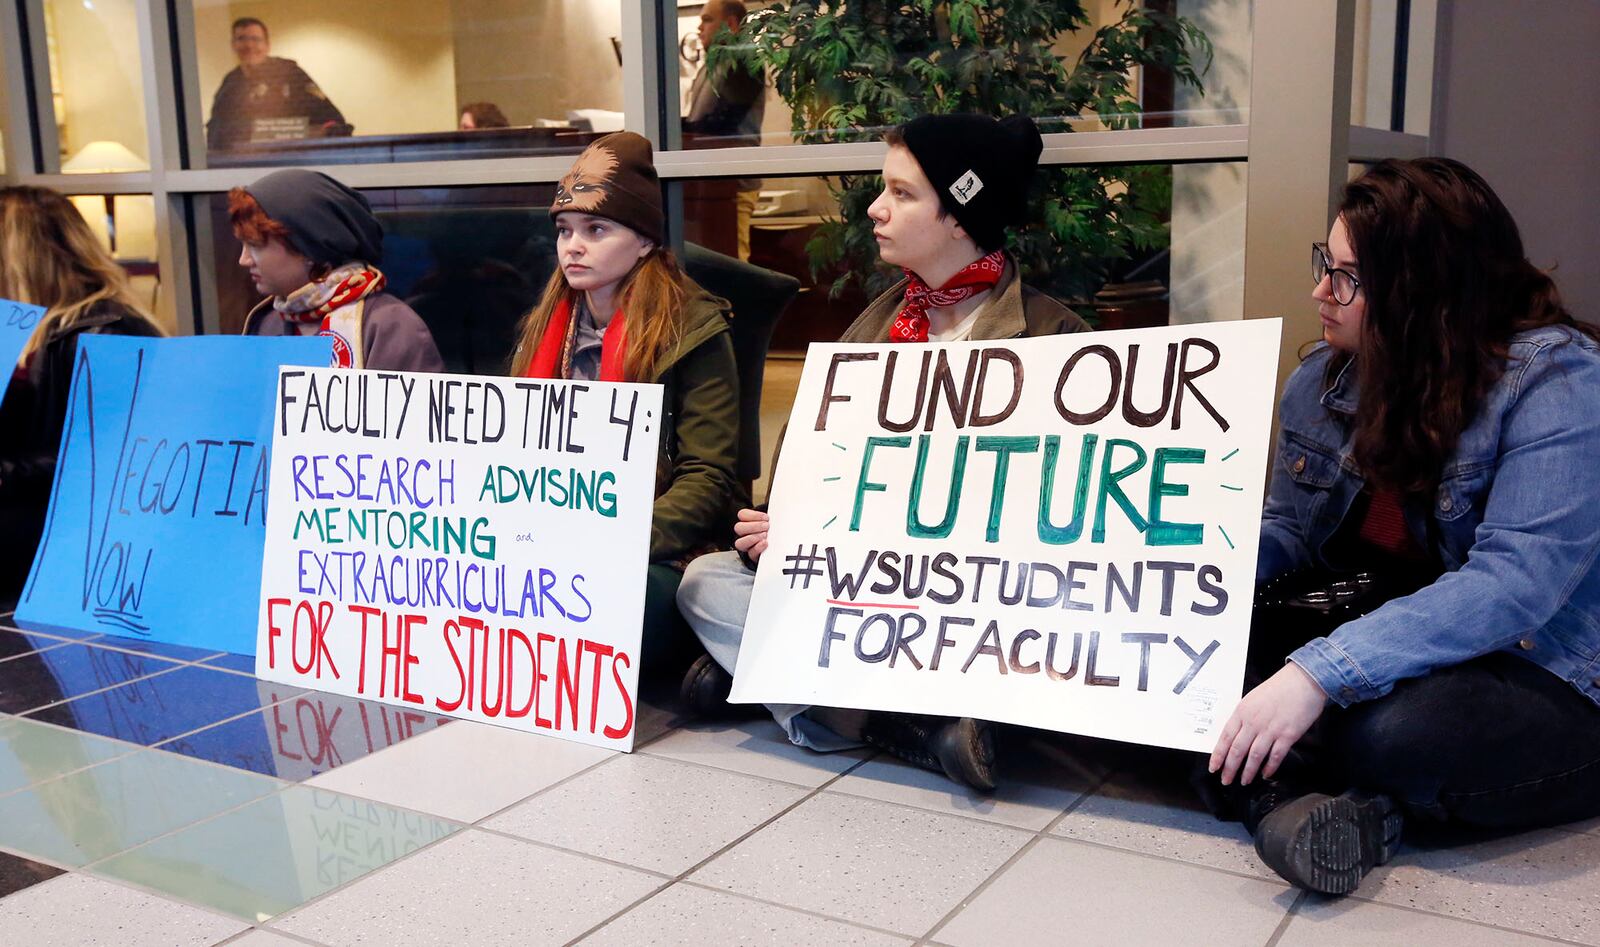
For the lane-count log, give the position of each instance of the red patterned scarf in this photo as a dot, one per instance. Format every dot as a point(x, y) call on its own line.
point(314, 301)
point(911, 325)
point(553, 357)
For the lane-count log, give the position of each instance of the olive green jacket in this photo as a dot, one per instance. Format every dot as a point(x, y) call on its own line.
point(695, 483)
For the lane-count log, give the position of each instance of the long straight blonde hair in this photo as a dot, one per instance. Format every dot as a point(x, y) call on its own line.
point(652, 296)
point(49, 257)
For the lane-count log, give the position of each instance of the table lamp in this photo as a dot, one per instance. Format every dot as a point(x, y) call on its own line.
point(105, 157)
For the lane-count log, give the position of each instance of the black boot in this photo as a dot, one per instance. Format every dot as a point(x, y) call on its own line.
point(962, 749)
point(1328, 843)
point(704, 692)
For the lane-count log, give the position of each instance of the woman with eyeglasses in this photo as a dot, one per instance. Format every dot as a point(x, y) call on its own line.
point(1426, 643)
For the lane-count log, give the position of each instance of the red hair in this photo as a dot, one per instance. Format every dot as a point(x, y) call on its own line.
point(250, 221)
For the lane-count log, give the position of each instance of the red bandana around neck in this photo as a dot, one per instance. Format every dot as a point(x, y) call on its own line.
point(911, 325)
point(553, 357)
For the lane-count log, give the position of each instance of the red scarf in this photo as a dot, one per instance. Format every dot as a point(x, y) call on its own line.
point(911, 325)
point(553, 357)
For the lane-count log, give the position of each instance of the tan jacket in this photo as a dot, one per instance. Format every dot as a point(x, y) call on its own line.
point(1012, 311)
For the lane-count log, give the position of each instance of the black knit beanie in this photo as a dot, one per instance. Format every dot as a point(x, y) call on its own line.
point(328, 222)
point(980, 168)
point(615, 179)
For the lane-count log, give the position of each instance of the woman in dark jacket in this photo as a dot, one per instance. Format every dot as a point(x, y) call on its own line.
point(50, 258)
point(312, 246)
point(618, 308)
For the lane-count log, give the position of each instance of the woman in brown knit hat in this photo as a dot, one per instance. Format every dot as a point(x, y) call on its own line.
point(618, 308)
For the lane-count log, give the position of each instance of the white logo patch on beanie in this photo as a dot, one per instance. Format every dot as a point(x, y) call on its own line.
point(966, 187)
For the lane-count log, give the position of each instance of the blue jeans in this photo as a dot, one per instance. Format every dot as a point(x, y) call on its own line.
point(714, 598)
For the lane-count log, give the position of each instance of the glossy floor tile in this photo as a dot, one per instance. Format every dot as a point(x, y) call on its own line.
point(755, 748)
point(690, 916)
point(14, 643)
point(67, 634)
point(33, 752)
point(112, 807)
point(865, 861)
point(1545, 882)
point(501, 890)
point(160, 649)
point(276, 853)
point(304, 733)
point(42, 678)
point(652, 813)
point(244, 663)
point(429, 773)
point(78, 910)
point(1334, 922)
point(1109, 897)
point(164, 706)
point(17, 873)
point(1141, 813)
point(1032, 794)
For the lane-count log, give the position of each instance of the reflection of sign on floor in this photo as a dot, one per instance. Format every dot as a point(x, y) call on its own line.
point(463, 545)
point(298, 737)
point(161, 485)
point(1057, 532)
point(354, 836)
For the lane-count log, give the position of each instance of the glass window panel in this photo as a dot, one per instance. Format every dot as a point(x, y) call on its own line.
point(824, 67)
point(126, 225)
point(1391, 82)
point(336, 83)
point(470, 260)
point(1186, 267)
point(96, 84)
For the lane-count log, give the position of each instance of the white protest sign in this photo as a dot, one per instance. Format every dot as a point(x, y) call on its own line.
point(1057, 532)
point(463, 545)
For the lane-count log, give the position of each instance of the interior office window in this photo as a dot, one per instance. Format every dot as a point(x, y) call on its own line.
point(470, 260)
point(1391, 82)
point(96, 85)
point(1184, 265)
point(126, 225)
point(1181, 262)
point(301, 81)
point(844, 70)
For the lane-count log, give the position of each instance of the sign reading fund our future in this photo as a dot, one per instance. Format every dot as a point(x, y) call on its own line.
point(1056, 532)
point(158, 504)
point(463, 545)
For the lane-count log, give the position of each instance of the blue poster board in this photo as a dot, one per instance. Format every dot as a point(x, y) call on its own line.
point(156, 518)
point(17, 321)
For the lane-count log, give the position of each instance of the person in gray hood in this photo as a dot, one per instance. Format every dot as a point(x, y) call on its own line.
point(312, 246)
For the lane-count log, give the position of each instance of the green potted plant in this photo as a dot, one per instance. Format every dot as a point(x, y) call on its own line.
point(849, 70)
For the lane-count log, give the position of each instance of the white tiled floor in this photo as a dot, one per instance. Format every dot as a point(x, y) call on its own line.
point(725, 834)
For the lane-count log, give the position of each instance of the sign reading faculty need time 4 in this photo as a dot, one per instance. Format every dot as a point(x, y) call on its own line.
point(1058, 532)
point(465, 545)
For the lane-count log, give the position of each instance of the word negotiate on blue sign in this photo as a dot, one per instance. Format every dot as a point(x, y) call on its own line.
point(157, 514)
point(17, 322)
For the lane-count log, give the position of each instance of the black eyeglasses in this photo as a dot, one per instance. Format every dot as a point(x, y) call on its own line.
point(1345, 284)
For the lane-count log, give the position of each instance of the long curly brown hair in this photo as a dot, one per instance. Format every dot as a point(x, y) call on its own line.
point(1447, 286)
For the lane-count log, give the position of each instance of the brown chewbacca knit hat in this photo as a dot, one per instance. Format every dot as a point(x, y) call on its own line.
point(614, 178)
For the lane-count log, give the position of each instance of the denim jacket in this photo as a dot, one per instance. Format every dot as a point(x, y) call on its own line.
point(1515, 523)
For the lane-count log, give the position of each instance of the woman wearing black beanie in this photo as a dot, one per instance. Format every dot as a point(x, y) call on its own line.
point(312, 246)
point(952, 185)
